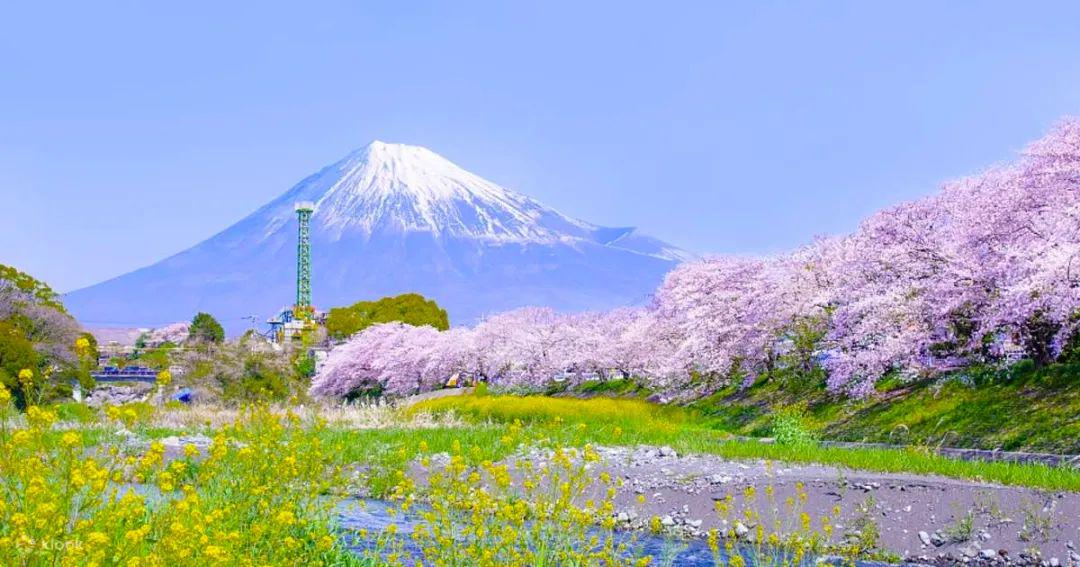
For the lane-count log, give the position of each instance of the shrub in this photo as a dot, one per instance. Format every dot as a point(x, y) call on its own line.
point(305, 366)
point(77, 412)
point(260, 381)
point(790, 428)
point(16, 354)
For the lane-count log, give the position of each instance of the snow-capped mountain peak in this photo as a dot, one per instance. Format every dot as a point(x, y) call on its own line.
point(403, 188)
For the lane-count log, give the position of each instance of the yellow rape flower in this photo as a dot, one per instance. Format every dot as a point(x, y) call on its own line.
point(285, 518)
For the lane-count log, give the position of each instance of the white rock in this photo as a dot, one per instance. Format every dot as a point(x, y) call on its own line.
point(970, 550)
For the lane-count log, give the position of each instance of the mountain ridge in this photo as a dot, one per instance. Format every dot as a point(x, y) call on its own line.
point(391, 218)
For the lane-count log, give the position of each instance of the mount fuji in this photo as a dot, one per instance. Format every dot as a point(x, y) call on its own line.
point(390, 219)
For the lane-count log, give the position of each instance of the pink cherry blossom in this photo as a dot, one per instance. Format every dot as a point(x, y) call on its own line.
point(925, 286)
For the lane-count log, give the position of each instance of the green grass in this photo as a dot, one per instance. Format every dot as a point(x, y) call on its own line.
point(601, 412)
point(1022, 410)
point(621, 388)
point(77, 412)
point(1037, 411)
point(634, 422)
point(150, 432)
point(914, 461)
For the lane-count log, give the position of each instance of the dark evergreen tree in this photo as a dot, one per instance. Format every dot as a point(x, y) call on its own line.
point(206, 329)
point(410, 308)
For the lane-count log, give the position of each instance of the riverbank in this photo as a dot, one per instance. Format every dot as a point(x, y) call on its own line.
point(629, 467)
point(1017, 409)
point(630, 422)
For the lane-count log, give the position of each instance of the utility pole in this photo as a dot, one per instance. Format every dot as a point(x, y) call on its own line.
point(254, 331)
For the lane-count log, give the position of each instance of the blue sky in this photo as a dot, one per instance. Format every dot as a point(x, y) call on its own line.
point(130, 130)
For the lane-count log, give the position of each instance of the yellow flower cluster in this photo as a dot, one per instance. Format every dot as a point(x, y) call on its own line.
point(781, 537)
point(256, 498)
point(130, 414)
point(26, 383)
point(263, 493)
point(482, 513)
point(39, 418)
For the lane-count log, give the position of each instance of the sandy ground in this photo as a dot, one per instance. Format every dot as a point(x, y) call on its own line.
point(921, 518)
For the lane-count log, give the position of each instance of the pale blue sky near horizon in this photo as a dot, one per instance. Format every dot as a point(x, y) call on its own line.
point(130, 131)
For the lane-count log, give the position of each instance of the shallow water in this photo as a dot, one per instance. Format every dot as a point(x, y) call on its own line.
point(373, 516)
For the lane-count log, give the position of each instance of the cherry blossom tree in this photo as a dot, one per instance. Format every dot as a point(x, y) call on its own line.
point(921, 287)
point(730, 312)
point(175, 333)
point(991, 258)
point(394, 357)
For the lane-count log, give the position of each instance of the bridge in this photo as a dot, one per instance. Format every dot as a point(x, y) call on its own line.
point(126, 374)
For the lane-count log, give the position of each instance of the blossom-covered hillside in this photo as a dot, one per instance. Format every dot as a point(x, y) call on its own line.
point(985, 271)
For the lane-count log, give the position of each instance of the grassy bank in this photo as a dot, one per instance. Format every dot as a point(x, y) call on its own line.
point(1023, 410)
point(607, 421)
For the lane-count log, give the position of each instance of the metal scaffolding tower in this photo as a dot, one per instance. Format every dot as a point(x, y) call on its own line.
point(304, 209)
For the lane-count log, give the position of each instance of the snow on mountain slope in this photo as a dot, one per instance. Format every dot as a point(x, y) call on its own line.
point(392, 218)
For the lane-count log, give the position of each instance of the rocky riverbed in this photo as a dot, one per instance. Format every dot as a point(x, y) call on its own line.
point(919, 519)
point(923, 519)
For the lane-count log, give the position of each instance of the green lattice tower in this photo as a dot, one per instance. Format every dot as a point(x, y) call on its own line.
point(303, 255)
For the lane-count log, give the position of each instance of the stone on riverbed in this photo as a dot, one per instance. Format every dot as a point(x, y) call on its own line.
point(199, 441)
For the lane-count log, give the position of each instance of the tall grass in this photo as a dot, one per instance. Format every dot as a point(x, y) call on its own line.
point(593, 412)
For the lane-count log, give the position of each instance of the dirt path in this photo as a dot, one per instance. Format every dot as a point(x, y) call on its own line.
point(921, 518)
point(445, 392)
